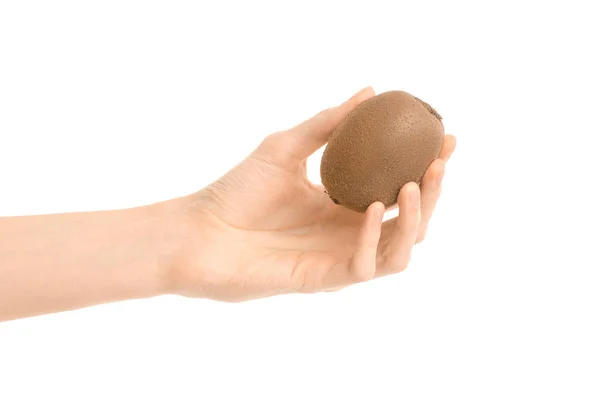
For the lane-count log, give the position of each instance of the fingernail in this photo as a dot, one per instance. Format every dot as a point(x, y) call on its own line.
point(379, 210)
point(358, 94)
point(414, 197)
point(440, 177)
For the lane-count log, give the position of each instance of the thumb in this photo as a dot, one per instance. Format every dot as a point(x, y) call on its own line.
point(288, 149)
point(315, 132)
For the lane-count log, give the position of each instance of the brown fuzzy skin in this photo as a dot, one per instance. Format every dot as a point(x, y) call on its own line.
point(386, 142)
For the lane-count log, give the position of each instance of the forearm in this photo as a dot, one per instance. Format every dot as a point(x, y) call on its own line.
point(52, 263)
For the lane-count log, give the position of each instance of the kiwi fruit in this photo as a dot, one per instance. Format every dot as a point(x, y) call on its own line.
point(384, 143)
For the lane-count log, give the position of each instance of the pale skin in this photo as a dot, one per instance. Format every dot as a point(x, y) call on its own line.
point(262, 229)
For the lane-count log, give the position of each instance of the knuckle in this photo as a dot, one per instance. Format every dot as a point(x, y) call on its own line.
point(272, 141)
point(400, 266)
point(362, 273)
point(397, 264)
point(275, 150)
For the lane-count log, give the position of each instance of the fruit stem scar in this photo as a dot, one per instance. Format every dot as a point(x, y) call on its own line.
point(429, 108)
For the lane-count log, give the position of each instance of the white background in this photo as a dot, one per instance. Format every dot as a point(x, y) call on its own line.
point(115, 104)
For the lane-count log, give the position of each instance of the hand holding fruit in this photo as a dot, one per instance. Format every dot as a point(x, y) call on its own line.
point(264, 229)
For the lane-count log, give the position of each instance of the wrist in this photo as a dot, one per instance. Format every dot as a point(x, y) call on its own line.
point(164, 240)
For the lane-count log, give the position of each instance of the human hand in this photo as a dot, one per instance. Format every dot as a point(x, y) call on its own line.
point(264, 229)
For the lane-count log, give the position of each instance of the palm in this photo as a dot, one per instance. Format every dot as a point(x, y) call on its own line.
point(268, 199)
